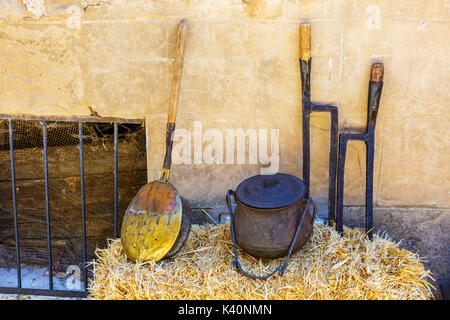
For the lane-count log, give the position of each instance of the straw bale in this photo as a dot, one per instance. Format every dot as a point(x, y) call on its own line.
point(327, 267)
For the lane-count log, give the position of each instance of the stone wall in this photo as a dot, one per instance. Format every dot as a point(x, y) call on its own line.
point(114, 57)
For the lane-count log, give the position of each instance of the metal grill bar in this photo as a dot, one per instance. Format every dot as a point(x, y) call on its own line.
point(116, 182)
point(13, 186)
point(83, 206)
point(70, 119)
point(47, 207)
point(44, 292)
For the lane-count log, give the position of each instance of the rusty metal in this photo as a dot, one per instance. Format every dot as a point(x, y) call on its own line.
point(14, 199)
point(271, 218)
point(267, 233)
point(308, 108)
point(116, 180)
point(270, 233)
point(47, 207)
point(165, 171)
point(83, 201)
point(375, 87)
point(87, 119)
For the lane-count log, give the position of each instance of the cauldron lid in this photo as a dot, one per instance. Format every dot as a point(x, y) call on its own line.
point(270, 191)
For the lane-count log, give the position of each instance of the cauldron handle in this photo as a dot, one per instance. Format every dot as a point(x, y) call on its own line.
point(291, 247)
point(280, 268)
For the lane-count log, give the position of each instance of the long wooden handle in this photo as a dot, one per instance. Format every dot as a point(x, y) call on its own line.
point(375, 87)
point(174, 97)
point(177, 70)
point(305, 42)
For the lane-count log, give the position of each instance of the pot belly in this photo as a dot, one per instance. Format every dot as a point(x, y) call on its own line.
point(269, 233)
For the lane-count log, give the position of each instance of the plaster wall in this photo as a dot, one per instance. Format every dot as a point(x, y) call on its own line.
point(114, 58)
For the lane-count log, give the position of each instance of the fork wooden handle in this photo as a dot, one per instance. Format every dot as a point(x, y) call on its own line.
point(375, 87)
point(305, 42)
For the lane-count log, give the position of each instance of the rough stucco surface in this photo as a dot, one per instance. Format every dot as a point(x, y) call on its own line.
point(241, 71)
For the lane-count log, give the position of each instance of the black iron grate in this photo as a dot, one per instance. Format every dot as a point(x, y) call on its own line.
point(77, 132)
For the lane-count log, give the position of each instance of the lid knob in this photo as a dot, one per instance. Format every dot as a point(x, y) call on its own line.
point(270, 182)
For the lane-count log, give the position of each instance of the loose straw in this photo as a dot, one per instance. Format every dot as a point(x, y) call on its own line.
point(327, 267)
